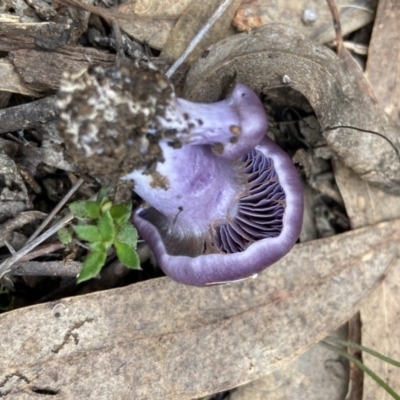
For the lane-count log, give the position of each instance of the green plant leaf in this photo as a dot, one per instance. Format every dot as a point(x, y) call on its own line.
point(365, 349)
point(129, 207)
point(64, 236)
point(127, 255)
point(106, 227)
point(92, 209)
point(127, 234)
point(106, 206)
point(121, 212)
point(98, 246)
point(90, 233)
point(102, 196)
point(92, 265)
point(363, 368)
point(78, 210)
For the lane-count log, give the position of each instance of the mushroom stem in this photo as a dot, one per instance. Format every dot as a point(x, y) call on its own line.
point(202, 178)
point(232, 126)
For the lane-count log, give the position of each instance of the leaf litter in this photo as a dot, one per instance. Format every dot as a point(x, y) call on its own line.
point(229, 323)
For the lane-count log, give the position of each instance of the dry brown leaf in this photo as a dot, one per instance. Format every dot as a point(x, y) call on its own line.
point(358, 73)
point(255, 13)
point(148, 21)
point(365, 205)
point(162, 340)
point(383, 66)
point(144, 9)
point(317, 374)
point(160, 19)
point(275, 56)
point(189, 24)
point(380, 327)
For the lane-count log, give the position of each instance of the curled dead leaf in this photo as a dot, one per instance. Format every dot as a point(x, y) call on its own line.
point(277, 56)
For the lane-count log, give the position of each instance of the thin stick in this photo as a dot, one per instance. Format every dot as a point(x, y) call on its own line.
point(56, 209)
point(196, 40)
point(6, 266)
point(118, 40)
point(43, 250)
point(47, 268)
point(336, 24)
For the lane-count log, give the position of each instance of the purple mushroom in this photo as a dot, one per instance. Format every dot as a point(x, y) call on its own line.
point(223, 201)
point(234, 202)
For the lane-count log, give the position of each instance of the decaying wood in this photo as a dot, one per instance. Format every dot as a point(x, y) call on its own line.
point(27, 115)
point(10, 25)
point(42, 70)
point(10, 81)
point(162, 340)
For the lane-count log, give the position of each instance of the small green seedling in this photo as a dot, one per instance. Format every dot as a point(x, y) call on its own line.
point(108, 226)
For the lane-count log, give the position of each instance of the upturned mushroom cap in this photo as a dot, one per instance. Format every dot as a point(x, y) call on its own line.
point(223, 201)
point(261, 224)
point(234, 202)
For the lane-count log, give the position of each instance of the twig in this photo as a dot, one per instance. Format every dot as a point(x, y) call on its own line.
point(7, 265)
point(200, 35)
point(343, 15)
point(47, 268)
point(42, 251)
point(118, 40)
point(336, 24)
point(27, 115)
point(56, 209)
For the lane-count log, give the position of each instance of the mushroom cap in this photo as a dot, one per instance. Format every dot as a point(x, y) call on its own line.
point(216, 268)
